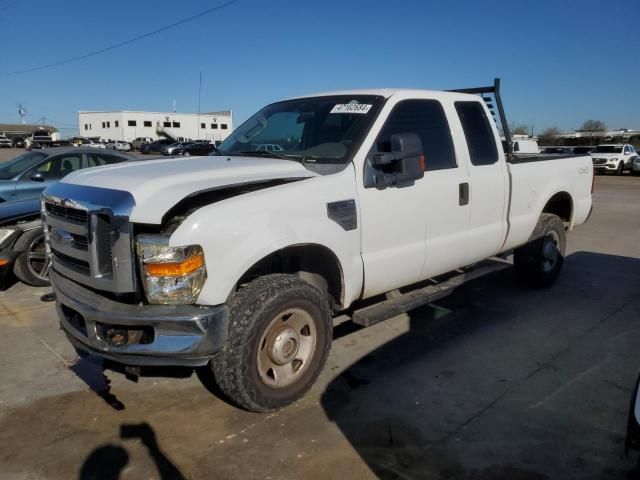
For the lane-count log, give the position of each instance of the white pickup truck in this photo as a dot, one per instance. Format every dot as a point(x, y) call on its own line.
point(240, 260)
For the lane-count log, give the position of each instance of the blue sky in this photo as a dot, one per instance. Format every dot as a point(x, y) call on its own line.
point(561, 62)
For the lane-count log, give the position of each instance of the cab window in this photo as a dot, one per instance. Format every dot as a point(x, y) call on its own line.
point(98, 159)
point(477, 131)
point(427, 119)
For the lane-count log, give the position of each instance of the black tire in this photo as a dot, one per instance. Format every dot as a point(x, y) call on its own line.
point(538, 263)
point(255, 311)
point(620, 169)
point(28, 267)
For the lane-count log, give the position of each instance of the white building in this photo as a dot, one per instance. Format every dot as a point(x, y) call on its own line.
point(128, 125)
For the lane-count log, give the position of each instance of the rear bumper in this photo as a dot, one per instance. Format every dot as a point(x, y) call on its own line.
point(186, 335)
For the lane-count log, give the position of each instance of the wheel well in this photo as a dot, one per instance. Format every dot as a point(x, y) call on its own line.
point(313, 263)
point(561, 205)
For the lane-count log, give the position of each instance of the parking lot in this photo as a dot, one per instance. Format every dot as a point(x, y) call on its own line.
point(495, 381)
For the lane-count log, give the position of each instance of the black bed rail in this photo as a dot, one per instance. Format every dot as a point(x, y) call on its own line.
point(504, 126)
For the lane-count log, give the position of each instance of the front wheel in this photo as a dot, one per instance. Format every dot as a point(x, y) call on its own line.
point(620, 169)
point(279, 338)
point(32, 266)
point(538, 263)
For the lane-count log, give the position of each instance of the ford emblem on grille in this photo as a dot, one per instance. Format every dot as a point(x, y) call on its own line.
point(60, 237)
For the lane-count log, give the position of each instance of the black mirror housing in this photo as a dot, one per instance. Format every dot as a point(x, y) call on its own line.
point(400, 167)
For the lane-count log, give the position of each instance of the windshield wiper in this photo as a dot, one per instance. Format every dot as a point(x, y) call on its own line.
point(263, 153)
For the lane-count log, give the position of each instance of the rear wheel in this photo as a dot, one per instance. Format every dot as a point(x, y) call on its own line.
point(32, 266)
point(538, 263)
point(279, 338)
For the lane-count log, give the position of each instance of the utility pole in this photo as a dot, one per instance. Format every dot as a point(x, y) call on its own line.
point(199, 97)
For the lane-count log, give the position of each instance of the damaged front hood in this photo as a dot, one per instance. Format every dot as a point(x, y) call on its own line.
point(157, 185)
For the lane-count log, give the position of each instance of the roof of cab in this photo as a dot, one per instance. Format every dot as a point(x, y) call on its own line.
point(388, 92)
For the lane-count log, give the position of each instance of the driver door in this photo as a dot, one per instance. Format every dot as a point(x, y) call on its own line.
point(411, 231)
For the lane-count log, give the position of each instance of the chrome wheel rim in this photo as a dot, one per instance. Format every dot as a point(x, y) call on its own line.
point(37, 260)
point(286, 348)
point(550, 251)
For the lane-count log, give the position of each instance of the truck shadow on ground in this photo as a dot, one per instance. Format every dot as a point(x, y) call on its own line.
point(107, 462)
point(471, 390)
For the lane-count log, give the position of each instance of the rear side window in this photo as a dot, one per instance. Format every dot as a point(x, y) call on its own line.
point(478, 133)
point(427, 119)
point(98, 159)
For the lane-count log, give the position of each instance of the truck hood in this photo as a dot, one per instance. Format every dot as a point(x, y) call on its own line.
point(157, 185)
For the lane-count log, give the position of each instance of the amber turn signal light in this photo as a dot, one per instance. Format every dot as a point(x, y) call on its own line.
point(180, 269)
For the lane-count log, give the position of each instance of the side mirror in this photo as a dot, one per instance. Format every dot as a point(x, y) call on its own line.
point(400, 167)
point(37, 177)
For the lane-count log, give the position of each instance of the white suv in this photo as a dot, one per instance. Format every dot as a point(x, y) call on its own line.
point(613, 157)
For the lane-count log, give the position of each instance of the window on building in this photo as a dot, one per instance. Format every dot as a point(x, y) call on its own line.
point(223, 126)
point(117, 123)
point(478, 133)
point(147, 123)
point(86, 126)
point(427, 119)
point(132, 123)
point(166, 124)
point(103, 124)
point(203, 125)
point(176, 124)
point(108, 124)
point(214, 126)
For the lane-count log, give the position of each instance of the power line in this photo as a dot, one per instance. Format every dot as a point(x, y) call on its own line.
point(9, 5)
point(123, 43)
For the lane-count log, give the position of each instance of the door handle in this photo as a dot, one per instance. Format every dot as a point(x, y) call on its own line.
point(463, 193)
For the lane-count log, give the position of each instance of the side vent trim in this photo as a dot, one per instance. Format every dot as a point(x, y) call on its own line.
point(344, 213)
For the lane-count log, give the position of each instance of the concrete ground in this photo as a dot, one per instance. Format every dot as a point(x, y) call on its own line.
point(494, 382)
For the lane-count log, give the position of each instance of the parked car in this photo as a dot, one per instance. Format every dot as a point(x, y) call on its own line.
point(138, 142)
point(156, 147)
point(87, 142)
point(21, 235)
point(635, 165)
point(120, 145)
point(4, 141)
point(29, 174)
point(557, 151)
point(239, 261)
point(582, 150)
point(171, 149)
point(62, 143)
point(614, 158)
point(195, 149)
point(19, 142)
point(39, 139)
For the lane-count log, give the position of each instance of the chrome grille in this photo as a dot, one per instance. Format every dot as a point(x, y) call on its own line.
point(599, 161)
point(68, 213)
point(89, 236)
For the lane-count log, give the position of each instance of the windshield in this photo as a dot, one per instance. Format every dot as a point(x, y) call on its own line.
point(607, 149)
point(314, 129)
point(19, 164)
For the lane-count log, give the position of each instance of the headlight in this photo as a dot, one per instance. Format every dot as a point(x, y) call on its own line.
point(171, 275)
point(613, 159)
point(5, 234)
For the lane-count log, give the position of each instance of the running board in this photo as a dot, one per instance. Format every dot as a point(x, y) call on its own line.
point(397, 303)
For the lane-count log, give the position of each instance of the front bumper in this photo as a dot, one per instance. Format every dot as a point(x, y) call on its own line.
point(185, 335)
point(606, 166)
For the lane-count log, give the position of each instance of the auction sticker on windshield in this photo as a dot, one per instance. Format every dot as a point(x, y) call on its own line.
point(351, 108)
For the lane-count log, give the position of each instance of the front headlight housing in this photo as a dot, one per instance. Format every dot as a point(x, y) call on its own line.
point(170, 275)
point(615, 159)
